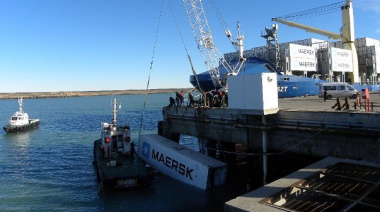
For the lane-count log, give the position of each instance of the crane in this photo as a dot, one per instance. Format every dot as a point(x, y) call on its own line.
point(347, 34)
point(204, 40)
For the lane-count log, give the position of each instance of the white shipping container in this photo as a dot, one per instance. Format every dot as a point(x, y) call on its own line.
point(340, 54)
point(371, 42)
point(181, 163)
point(341, 65)
point(367, 42)
point(303, 64)
point(300, 51)
point(256, 92)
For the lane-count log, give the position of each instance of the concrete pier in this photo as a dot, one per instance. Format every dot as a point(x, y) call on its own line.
point(304, 125)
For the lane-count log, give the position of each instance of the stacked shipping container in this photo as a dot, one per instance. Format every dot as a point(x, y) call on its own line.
point(368, 57)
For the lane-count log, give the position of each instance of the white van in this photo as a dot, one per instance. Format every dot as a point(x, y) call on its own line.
point(337, 90)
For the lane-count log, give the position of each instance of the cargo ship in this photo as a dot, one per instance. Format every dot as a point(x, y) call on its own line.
point(287, 85)
point(117, 165)
point(300, 65)
point(20, 121)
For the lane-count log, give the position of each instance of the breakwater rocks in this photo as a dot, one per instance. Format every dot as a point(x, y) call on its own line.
point(59, 94)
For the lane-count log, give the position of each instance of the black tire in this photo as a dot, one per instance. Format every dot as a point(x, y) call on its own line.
point(329, 97)
point(354, 96)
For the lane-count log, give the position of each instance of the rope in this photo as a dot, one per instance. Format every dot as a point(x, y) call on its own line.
point(318, 11)
point(178, 29)
point(151, 65)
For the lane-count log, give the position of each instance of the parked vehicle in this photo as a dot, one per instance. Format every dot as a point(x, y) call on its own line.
point(337, 90)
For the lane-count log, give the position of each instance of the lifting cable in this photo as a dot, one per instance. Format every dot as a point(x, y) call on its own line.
point(318, 11)
point(151, 67)
point(187, 52)
point(184, 46)
point(221, 20)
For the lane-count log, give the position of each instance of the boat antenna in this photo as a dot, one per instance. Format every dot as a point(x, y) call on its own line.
point(114, 111)
point(20, 104)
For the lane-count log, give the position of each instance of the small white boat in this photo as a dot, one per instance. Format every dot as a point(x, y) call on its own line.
point(20, 121)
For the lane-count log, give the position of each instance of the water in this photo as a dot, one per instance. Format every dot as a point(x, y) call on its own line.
point(50, 168)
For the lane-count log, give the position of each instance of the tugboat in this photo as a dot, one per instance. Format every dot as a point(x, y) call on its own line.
point(117, 165)
point(20, 121)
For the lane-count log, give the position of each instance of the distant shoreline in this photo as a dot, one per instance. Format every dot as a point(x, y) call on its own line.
point(62, 94)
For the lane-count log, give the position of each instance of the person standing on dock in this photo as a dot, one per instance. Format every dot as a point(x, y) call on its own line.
point(220, 97)
point(181, 98)
point(171, 102)
point(191, 100)
point(210, 99)
point(177, 98)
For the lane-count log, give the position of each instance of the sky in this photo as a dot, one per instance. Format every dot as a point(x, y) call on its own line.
point(93, 45)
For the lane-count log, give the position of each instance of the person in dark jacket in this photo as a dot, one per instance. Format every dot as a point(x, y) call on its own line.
point(210, 99)
point(181, 98)
point(177, 98)
point(171, 102)
point(191, 100)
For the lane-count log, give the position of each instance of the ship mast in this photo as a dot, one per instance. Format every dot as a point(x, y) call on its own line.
point(114, 111)
point(20, 104)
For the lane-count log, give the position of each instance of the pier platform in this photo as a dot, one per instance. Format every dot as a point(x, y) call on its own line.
point(332, 184)
point(303, 125)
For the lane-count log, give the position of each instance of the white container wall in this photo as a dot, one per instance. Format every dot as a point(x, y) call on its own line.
point(303, 64)
point(254, 91)
point(181, 163)
point(341, 60)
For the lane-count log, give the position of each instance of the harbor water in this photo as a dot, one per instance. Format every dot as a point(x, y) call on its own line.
point(50, 168)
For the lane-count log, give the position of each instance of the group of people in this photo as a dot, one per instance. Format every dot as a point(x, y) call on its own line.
point(179, 99)
point(216, 98)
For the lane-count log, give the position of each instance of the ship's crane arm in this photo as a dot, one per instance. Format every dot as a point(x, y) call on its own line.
point(347, 33)
point(330, 35)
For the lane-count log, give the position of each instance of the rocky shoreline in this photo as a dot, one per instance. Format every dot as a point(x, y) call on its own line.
point(60, 94)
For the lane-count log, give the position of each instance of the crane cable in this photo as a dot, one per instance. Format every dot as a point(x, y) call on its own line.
point(322, 10)
point(221, 20)
point(151, 66)
point(184, 46)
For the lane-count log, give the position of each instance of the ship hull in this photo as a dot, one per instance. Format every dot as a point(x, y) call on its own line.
point(287, 85)
point(19, 128)
point(121, 172)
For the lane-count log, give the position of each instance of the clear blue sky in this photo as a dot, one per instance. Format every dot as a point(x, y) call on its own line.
point(90, 45)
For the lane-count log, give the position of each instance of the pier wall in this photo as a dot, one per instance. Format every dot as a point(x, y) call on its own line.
point(352, 135)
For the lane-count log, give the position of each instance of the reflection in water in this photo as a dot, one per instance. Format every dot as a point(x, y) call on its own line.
point(21, 139)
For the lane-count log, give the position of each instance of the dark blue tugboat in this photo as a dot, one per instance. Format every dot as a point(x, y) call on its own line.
point(118, 166)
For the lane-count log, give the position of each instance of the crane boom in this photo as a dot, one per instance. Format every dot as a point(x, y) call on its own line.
point(347, 34)
point(331, 35)
point(203, 38)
